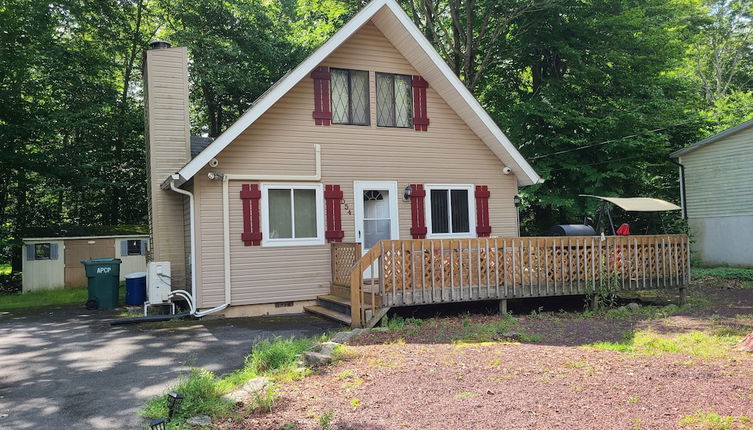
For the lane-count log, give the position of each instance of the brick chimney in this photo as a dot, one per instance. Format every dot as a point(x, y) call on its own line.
point(167, 132)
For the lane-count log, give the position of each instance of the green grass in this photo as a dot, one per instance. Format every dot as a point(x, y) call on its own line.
point(727, 273)
point(59, 297)
point(695, 343)
point(708, 420)
point(5, 269)
point(64, 296)
point(203, 390)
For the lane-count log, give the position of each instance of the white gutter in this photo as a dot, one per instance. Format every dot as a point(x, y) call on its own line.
point(226, 178)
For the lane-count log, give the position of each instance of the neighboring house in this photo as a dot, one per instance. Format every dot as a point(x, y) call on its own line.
point(54, 260)
point(718, 196)
point(372, 137)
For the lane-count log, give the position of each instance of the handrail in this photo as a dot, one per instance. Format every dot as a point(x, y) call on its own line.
point(424, 271)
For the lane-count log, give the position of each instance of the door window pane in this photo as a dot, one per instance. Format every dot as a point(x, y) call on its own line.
point(376, 217)
point(459, 207)
point(305, 213)
point(440, 222)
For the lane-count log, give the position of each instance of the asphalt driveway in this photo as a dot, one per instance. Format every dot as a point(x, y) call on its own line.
point(68, 368)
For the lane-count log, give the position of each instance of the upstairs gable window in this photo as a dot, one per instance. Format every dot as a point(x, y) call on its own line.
point(350, 97)
point(394, 100)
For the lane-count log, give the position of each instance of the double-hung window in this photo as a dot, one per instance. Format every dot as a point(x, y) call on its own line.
point(292, 214)
point(394, 100)
point(450, 211)
point(350, 97)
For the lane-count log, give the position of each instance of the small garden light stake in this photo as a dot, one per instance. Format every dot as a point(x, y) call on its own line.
point(158, 424)
point(173, 403)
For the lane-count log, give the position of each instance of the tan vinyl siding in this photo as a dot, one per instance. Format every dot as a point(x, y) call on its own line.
point(167, 132)
point(281, 142)
point(719, 177)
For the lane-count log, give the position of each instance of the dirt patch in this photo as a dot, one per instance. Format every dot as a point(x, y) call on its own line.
point(440, 374)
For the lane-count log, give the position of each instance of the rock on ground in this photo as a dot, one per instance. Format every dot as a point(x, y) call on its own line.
point(200, 421)
point(314, 359)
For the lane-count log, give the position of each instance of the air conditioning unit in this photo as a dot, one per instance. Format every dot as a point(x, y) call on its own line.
point(158, 281)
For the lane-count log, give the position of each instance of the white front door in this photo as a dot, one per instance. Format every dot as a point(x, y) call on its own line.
point(376, 212)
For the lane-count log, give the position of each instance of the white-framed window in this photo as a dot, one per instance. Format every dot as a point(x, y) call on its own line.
point(450, 211)
point(292, 214)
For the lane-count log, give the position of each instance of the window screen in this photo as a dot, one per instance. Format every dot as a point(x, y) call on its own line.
point(42, 251)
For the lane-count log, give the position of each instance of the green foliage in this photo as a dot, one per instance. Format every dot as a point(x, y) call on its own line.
point(270, 356)
point(707, 420)
point(203, 390)
point(727, 273)
point(695, 343)
point(202, 396)
point(325, 419)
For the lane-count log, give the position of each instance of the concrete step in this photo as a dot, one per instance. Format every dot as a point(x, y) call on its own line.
point(328, 313)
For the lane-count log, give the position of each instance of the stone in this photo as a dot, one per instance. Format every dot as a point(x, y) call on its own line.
point(256, 385)
point(314, 359)
point(343, 337)
point(380, 329)
point(633, 306)
point(200, 421)
point(327, 347)
point(237, 396)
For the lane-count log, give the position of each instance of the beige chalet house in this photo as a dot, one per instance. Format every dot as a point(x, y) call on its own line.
point(372, 138)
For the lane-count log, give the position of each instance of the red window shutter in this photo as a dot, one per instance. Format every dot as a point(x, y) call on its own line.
point(417, 215)
point(322, 114)
point(332, 198)
point(420, 119)
point(483, 228)
point(250, 195)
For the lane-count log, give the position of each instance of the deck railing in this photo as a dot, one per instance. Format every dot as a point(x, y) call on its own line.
point(426, 271)
point(344, 259)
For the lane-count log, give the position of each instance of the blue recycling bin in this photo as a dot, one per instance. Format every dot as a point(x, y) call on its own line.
point(135, 284)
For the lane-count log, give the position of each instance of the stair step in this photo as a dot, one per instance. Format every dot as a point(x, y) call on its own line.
point(328, 313)
point(334, 299)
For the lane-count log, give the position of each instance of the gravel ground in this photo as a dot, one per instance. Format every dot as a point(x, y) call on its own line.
point(415, 379)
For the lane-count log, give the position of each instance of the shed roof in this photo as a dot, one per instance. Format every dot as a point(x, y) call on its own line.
point(390, 18)
point(70, 231)
point(712, 139)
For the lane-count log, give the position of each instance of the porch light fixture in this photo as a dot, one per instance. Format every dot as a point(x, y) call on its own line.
point(173, 402)
point(407, 193)
point(158, 424)
point(516, 200)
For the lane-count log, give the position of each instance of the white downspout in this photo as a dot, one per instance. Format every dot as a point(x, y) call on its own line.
point(193, 239)
point(226, 178)
point(193, 297)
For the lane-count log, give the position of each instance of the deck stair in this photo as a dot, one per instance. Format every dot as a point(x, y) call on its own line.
point(331, 307)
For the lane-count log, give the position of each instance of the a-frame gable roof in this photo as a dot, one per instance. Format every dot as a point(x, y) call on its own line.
point(395, 24)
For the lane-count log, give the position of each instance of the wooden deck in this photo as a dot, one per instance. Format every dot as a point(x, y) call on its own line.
point(429, 271)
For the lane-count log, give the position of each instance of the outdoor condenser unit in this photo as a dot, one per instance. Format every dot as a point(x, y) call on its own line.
point(158, 281)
